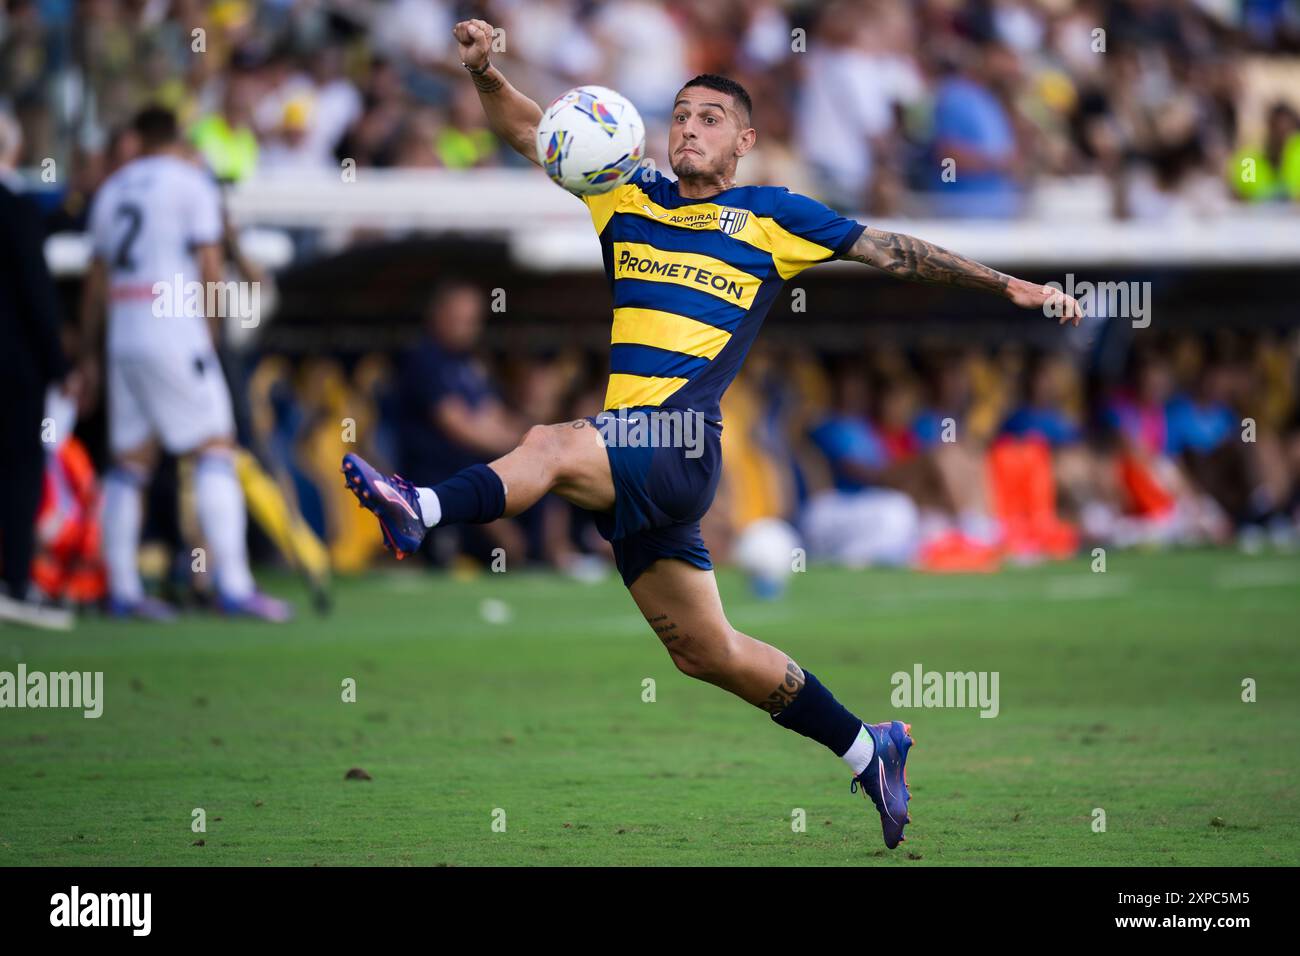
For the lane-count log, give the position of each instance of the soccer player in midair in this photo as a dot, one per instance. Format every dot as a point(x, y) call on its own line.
point(693, 265)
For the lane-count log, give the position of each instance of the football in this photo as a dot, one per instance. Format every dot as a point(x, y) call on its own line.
point(765, 551)
point(590, 140)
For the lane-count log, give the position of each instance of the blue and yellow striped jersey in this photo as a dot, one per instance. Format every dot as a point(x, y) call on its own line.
point(692, 280)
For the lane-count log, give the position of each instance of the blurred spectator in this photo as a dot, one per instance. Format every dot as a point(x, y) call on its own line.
point(31, 360)
point(1043, 412)
point(859, 522)
point(415, 31)
point(465, 140)
point(646, 53)
point(858, 75)
point(289, 146)
point(1270, 173)
point(451, 415)
point(373, 137)
point(1148, 497)
point(549, 36)
point(1178, 182)
point(975, 139)
point(1203, 422)
point(303, 115)
point(1204, 435)
point(951, 399)
point(225, 137)
point(1138, 414)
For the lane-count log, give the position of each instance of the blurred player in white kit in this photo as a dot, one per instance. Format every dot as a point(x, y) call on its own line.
point(156, 231)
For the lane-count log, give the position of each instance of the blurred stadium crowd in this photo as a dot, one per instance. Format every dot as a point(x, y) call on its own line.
point(1156, 102)
point(948, 459)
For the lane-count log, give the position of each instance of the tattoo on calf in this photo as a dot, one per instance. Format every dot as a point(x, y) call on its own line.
point(783, 696)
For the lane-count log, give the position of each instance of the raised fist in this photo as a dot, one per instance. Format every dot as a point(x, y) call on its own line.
point(474, 38)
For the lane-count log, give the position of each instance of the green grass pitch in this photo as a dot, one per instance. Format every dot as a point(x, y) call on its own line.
point(1119, 691)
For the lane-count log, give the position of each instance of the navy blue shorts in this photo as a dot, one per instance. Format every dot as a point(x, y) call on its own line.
point(660, 491)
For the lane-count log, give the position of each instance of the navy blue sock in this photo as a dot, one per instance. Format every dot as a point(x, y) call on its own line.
point(817, 714)
point(474, 495)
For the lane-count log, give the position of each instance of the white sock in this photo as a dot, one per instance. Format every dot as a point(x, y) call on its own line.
point(860, 753)
point(220, 504)
point(120, 525)
point(430, 506)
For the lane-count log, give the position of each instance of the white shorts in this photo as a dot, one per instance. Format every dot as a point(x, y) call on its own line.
point(176, 395)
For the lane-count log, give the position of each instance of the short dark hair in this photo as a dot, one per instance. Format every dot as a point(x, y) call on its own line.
point(724, 84)
point(156, 126)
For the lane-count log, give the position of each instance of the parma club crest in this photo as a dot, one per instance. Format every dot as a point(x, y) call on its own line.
point(731, 221)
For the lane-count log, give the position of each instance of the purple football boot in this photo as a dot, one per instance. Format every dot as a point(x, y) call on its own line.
point(393, 500)
point(885, 779)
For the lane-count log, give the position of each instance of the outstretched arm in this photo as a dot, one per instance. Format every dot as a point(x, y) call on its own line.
point(510, 114)
point(919, 261)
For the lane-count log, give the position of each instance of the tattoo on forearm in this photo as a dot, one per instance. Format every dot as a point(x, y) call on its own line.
point(782, 697)
point(910, 258)
point(487, 82)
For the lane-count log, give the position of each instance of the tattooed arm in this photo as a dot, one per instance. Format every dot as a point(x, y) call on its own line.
point(919, 261)
point(510, 114)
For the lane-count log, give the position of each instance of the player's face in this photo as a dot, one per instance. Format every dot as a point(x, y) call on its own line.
point(707, 134)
